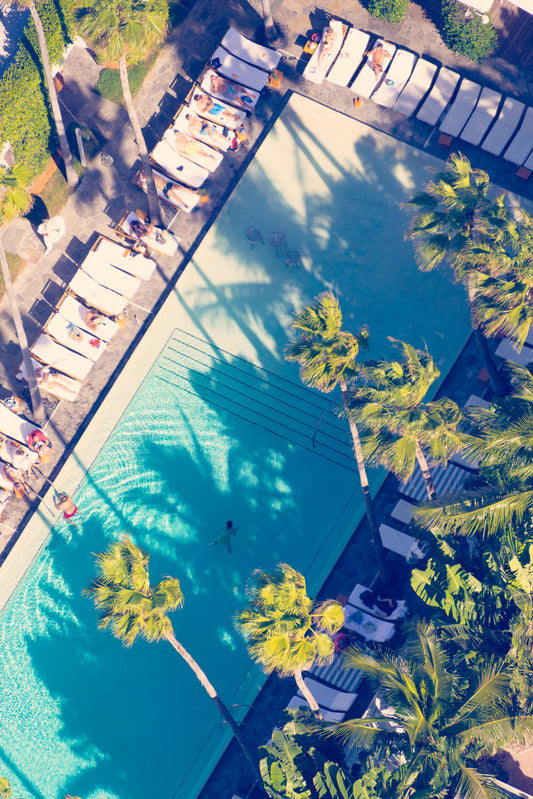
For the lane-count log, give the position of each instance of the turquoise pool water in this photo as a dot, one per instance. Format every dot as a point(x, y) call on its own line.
point(220, 428)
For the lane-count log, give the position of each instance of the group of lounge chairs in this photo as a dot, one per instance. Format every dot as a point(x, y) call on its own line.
point(210, 122)
point(439, 97)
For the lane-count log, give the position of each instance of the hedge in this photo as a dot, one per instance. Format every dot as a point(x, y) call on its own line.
point(25, 118)
point(467, 35)
point(390, 10)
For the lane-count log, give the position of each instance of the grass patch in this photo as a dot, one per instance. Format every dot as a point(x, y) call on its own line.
point(16, 265)
point(108, 85)
point(56, 192)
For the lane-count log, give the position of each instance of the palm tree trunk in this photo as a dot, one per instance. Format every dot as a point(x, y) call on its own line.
point(426, 474)
point(363, 479)
point(72, 178)
point(226, 715)
point(36, 401)
point(311, 701)
point(271, 32)
point(151, 191)
point(497, 383)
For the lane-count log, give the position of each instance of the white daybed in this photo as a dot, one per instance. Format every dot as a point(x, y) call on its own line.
point(240, 71)
point(417, 86)
point(397, 76)
point(256, 54)
point(461, 108)
point(504, 127)
point(521, 145)
point(193, 149)
point(365, 83)
point(484, 113)
point(439, 96)
point(177, 166)
point(349, 58)
point(322, 59)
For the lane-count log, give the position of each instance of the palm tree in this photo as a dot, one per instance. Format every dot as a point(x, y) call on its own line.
point(5, 788)
point(453, 213)
point(129, 607)
point(72, 177)
point(285, 631)
point(126, 29)
point(388, 402)
point(327, 355)
point(16, 200)
point(442, 721)
point(271, 32)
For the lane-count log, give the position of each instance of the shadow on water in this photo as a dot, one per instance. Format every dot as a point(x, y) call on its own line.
point(181, 463)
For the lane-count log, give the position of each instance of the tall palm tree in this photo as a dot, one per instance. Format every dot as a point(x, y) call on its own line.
point(327, 355)
point(129, 607)
point(454, 212)
point(388, 401)
point(16, 200)
point(442, 721)
point(126, 30)
point(72, 178)
point(285, 631)
point(5, 788)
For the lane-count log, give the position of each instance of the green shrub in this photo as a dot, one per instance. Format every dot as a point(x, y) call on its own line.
point(391, 10)
point(467, 35)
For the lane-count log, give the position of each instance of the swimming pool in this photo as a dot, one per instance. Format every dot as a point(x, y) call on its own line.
point(206, 423)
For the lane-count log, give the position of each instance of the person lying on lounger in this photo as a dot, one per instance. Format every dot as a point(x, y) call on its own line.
point(53, 381)
point(377, 58)
point(328, 45)
point(202, 129)
point(168, 190)
point(206, 105)
point(92, 318)
point(13, 480)
point(190, 148)
point(231, 91)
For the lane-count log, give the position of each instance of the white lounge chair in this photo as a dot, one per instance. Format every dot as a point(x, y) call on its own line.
point(179, 196)
point(193, 149)
point(255, 54)
point(17, 455)
point(397, 76)
point(298, 701)
point(349, 58)
point(461, 108)
point(232, 67)
point(439, 96)
point(446, 478)
point(233, 93)
point(368, 627)
point(417, 86)
point(330, 697)
point(528, 163)
point(403, 511)
point(355, 599)
point(160, 240)
point(177, 166)
point(73, 337)
point(208, 132)
point(134, 263)
point(474, 401)
point(326, 52)
point(61, 358)
point(508, 350)
point(69, 388)
point(105, 300)
point(521, 145)
point(336, 673)
point(15, 427)
point(484, 113)
point(109, 276)
point(504, 127)
point(365, 82)
point(216, 110)
point(75, 312)
point(401, 543)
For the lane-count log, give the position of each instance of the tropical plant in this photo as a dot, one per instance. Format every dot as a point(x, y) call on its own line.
point(5, 788)
point(327, 355)
point(389, 10)
point(16, 200)
point(399, 428)
point(441, 720)
point(126, 30)
point(285, 631)
point(469, 34)
point(130, 608)
point(453, 213)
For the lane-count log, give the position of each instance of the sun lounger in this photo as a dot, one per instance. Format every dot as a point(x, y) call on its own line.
point(330, 697)
point(74, 312)
point(177, 166)
point(216, 110)
point(134, 263)
point(401, 543)
point(15, 427)
point(417, 86)
point(368, 627)
point(58, 357)
point(228, 90)
point(109, 276)
point(403, 511)
point(508, 350)
point(298, 701)
point(484, 113)
point(105, 300)
point(326, 52)
point(521, 145)
point(461, 108)
point(73, 337)
point(447, 479)
point(349, 58)
point(474, 401)
point(397, 76)
point(164, 242)
point(528, 164)
point(504, 127)
point(67, 389)
point(173, 193)
point(255, 54)
point(208, 132)
point(17, 454)
point(366, 82)
point(439, 96)
point(356, 600)
point(240, 71)
point(196, 151)
point(336, 673)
